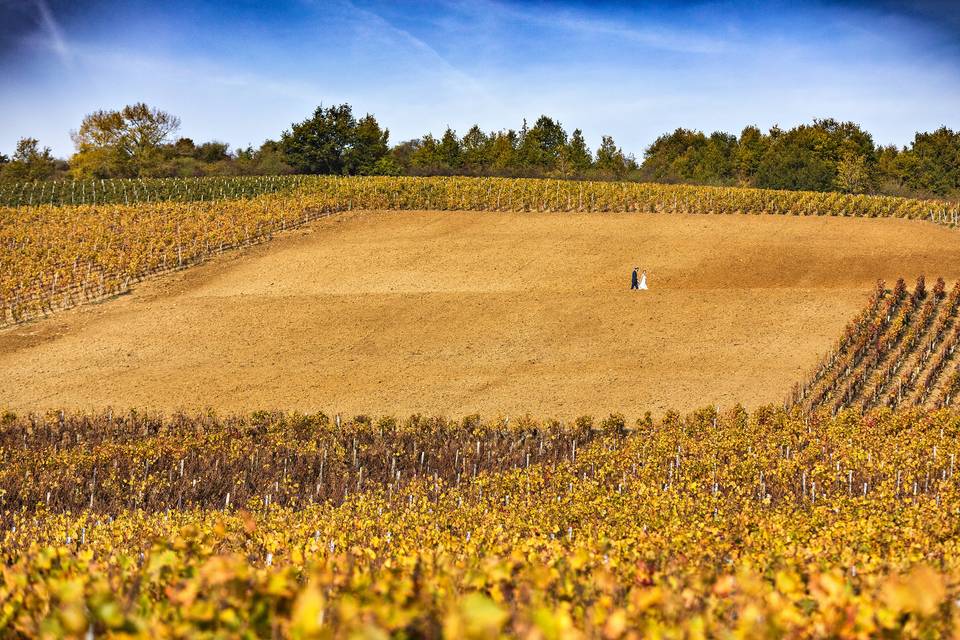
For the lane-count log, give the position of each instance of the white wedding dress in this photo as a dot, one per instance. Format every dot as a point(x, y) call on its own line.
point(643, 282)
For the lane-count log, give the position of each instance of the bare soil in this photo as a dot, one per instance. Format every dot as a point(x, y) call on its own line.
point(496, 313)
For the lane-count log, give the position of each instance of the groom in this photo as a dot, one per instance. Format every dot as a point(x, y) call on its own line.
point(634, 282)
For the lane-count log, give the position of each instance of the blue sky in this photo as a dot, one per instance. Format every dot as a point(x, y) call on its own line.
point(241, 72)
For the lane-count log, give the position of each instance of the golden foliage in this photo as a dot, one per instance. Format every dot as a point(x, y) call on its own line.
point(770, 525)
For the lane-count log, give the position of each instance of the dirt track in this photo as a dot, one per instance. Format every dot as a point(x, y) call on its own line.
point(455, 313)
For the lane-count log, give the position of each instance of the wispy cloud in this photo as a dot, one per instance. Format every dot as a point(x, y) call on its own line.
point(372, 19)
point(124, 61)
point(52, 32)
point(656, 36)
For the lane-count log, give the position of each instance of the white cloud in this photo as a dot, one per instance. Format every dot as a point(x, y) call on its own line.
point(370, 20)
point(656, 36)
point(53, 33)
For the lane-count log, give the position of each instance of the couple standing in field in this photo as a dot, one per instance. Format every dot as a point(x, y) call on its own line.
point(640, 284)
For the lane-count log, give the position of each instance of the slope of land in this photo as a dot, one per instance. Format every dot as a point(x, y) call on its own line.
point(458, 312)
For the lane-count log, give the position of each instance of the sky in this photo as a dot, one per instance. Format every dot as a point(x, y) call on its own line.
point(241, 72)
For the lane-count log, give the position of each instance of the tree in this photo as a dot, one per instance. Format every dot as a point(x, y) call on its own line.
point(30, 162)
point(367, 147)
point(716, 163)
point(386, 166)
point(787, 165)
point(332, 141)
point(425, 155)
point(319, 143)
point(750, 148)
point(475, 150)
point(542, 146)
point(673, 157)
point(184, 147)
point(807, 157)
point(211, 152)
point(125, 143)
point(402, 154)
point(450, 150)
point(853, 175)
point(889, 176)
point(578, 156)
point(269, 159)
point(690, 156)
point(503, 152)
point(932, 164)
point(611, 162)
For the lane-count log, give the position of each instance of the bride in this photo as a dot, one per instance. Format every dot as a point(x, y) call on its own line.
point(643, 281)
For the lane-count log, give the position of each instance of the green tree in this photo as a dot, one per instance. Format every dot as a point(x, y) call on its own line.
point(808, 156)
point(386, 166)
point(211, 152)
point(503, 152)
point(889, 175)
point(30, 162)
point(716, 162)
point(577, 154)
point(319, 143)
point(611, 162)
point(750, 148)
point(425, 155)
point(691, 156)
point(184, 147)
point(270, 159)
point(402, 155)
point(368, 145)
point(542, 146)
point(932, 163)
point(475, 150)
point(449, 150)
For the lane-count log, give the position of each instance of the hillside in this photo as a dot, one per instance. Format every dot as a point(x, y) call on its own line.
point(498, 313)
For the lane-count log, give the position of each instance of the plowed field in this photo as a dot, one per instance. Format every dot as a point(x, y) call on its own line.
point(496, 313)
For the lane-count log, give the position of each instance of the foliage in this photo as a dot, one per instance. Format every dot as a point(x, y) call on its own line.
point(332, 141)
point(122, 144)
point(686, 155)
point(714, 525)
point(611, 162)
point(141, 461)
point(826, 155)
point(29, 162)
point(932, 163)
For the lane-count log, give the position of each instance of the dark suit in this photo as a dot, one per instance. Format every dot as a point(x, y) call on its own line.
point(634, 283)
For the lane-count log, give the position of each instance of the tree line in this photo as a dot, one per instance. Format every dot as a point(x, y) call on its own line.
point(826, 155)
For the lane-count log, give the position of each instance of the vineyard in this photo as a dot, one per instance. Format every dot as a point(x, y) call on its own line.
point(75, 242)
point(140, 191)
point(833, 514)
point(774, 524)
point(899, 352)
